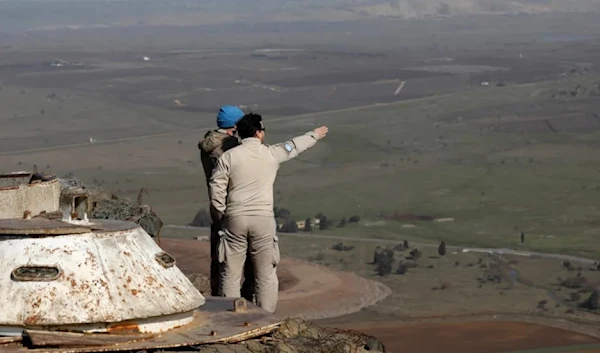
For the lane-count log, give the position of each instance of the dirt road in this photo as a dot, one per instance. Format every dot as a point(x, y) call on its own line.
point(306, 290)
point(471, 337)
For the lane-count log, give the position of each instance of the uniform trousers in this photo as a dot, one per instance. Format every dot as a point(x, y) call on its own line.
point(247, 291)
point(258, 235)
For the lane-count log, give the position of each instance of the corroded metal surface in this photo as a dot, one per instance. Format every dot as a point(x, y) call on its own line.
point(35, 198)
point(40, 226)
point(13, 180)
point(214, 322)
point(105, 277)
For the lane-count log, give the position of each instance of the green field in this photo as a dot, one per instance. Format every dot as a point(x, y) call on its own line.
point(445, 156)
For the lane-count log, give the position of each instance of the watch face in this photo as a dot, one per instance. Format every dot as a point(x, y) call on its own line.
point(288, 147)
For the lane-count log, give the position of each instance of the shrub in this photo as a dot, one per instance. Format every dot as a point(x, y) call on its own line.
point(308, 225)
point(591, 303)
point(402, 268)
point(289, 226)
point(342, 247)
point(415, 254)
point(281, 213)
point(324, 223)
point(442, 249)
point(385, 263)
point(202, 219)
point(574, 282)
point(376, 255)
point(354, 219)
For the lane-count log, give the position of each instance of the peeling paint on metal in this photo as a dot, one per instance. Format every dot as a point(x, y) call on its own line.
point(36, 198)
point(95, 270)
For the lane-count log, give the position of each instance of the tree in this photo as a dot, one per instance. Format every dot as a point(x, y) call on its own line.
point(342, 223)
point(281, 213)
point(289, 226)
point(308, 225)
point(354, 219)
point(376, 255)
point(522, 237)
point(385, 263)
point(402, 268)
point(442, 249)
point(405, 244)
point(324, 223)
point(202, 219)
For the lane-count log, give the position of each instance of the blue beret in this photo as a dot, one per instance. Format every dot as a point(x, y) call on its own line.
point(229, 116)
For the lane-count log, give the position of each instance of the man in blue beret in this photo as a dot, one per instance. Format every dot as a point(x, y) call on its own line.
point(212, 146)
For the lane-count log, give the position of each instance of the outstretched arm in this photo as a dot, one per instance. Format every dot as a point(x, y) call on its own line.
point(218, 190)
point(285, 151)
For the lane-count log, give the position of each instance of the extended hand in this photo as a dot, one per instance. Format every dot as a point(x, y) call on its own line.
point(321, 132)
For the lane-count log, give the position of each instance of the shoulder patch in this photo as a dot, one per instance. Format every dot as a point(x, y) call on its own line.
point(288, 147)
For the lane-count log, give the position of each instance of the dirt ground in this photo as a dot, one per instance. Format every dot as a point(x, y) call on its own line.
point(469, 337)
point(307, 290)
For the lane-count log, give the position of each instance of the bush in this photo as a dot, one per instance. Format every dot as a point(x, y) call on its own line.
point(281, 213)
point(402, 268)
point(354, 219)
point(415, 254)
point(405, 244)
point(591, 303)
point(308, 225)
point(289, 226)
point(202, 219)
point(384, 262)
point(574, 282)
point(399, 248)
point(342, 247)
point(377, 255)
point(324, 223)
point(342, 223)
point(384, 265)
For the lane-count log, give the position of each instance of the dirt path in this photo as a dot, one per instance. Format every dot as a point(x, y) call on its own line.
point(469, 337)
point(306, 290)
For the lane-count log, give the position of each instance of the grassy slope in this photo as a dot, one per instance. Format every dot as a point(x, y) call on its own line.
point(485, 180)
point(444, 156)
point(439, 156)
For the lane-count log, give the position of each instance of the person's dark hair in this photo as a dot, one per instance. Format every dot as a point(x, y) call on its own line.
point(249, 125)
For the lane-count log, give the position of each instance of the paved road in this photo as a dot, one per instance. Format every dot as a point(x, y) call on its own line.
point(499, 251)
point(298, 117)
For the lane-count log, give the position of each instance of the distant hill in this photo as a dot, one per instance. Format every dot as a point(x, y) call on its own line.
point(426, 8)
point(53, 14)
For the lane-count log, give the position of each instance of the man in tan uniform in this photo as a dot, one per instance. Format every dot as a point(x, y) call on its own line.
point(241, 189)
point(212, 146)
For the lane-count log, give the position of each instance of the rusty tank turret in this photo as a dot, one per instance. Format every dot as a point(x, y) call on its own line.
point(66, 278)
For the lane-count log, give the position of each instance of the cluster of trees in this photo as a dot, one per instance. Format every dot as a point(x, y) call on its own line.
point(283, 215)
point(384, 259)
point(290, 225)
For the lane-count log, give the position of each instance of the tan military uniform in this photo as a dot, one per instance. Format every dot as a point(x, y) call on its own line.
point(241, 189)
point(212, 146)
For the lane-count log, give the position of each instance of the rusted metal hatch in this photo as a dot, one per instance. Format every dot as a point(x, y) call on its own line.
point(12, 180)
point(214, 322)
point(40, 226)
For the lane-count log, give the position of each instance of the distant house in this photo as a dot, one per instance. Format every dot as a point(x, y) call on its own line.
point(301, 224)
